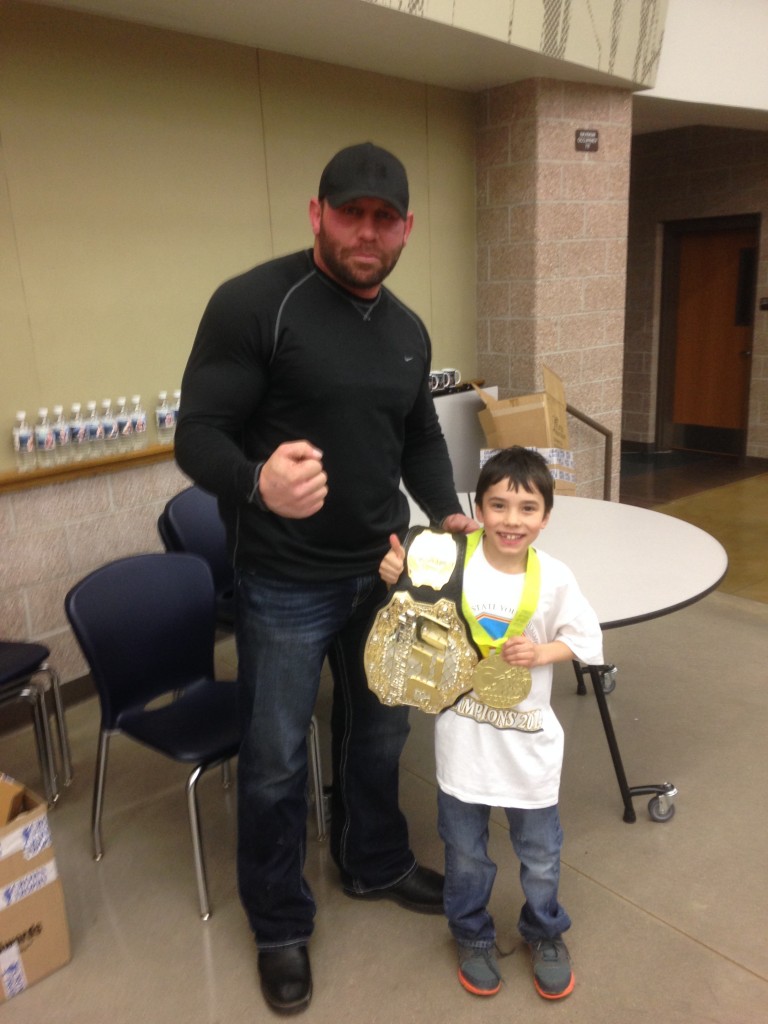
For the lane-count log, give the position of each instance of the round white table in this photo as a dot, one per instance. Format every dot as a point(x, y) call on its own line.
point(632, 563)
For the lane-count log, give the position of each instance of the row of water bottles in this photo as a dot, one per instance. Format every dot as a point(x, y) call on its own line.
point(90, 433)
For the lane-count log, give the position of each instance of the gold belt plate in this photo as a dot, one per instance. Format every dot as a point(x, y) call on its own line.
point(419, 654)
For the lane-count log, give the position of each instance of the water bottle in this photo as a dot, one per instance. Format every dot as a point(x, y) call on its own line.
point(138, 423)
point(94, 430)
point(45, 443)
point(78, 432)
point(124, 429)
point(175, 407)
point(108, 422)
point(61, 434)
point(164, 419)
point(24, 443)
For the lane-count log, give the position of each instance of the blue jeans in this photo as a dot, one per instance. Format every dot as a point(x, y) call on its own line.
point(537, 839)
point(285, 630)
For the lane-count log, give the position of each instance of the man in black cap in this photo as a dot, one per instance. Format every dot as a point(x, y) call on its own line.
point(305, 401)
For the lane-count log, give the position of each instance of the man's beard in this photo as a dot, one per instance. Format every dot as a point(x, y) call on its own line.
point(340, 264)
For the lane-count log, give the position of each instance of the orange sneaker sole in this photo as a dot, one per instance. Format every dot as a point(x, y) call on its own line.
point(558, 995)
point(477, 991)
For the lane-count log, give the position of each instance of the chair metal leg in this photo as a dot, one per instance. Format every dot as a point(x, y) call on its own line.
point(197, 842)
point(61, 723)
point(316, 766)
point(34, 693)
point(98, 793)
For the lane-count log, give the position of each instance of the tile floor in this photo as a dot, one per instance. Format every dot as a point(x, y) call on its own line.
point(669, 919)
point(724, 496)
point(654, 479)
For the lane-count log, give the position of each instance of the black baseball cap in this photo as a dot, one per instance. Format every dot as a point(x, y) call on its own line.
point(365, 170)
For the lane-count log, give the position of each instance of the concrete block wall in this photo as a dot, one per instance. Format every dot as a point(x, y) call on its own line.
point(51, 536)
point(551, 261)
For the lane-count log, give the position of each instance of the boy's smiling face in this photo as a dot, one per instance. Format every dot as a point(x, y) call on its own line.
point(512, 519)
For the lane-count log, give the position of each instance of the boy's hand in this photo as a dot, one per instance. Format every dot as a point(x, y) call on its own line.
point(392, 563)
point(519, 650)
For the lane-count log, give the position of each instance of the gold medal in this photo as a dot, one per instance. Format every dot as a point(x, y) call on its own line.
point(500, 685)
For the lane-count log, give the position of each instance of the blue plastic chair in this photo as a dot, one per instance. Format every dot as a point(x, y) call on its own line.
point(191, 522)
point(146, 626)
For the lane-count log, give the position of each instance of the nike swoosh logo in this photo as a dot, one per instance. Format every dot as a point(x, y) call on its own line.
point(408, 359)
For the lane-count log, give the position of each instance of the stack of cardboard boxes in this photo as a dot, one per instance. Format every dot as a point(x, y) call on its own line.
point(536, 421)
point(34, 937)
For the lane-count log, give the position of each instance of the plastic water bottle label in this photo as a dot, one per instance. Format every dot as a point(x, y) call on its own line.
point(110, 429)
point(165, 419)
point(44, 439)
point(61, 434)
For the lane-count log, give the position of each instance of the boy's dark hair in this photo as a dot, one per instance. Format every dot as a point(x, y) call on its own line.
point(522, 468)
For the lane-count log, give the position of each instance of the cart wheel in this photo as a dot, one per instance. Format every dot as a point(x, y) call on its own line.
point(656, 812)
point(608, 679)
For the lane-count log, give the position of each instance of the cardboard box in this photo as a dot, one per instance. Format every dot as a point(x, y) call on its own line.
point(534, 421)
point(34, 936)
point(11, 799)
point(560, 462)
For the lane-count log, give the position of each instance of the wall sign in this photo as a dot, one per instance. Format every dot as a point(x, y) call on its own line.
point(587, 140)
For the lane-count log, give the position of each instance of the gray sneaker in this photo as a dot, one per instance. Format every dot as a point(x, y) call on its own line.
point(478, 971)
point(552, 974)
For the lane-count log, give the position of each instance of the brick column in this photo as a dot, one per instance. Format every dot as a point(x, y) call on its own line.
point(552, 238)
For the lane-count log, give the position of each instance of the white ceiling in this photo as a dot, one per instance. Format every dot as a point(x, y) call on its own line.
point(370, 37)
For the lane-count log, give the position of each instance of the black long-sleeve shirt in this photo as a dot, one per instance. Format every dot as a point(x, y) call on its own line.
point(283, 354)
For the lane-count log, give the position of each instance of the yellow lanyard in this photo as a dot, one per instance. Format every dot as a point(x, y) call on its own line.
point(529, 599)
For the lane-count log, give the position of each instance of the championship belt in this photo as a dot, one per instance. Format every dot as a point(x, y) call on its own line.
point(419, 651)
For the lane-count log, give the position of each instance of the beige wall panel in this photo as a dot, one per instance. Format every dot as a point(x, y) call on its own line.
point(138, 175)
point(18, 381)
point(135, 182)
point(311, 110)
point(453, 245)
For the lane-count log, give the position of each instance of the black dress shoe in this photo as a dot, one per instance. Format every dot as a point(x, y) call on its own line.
point(286, 979)
point(421, 891)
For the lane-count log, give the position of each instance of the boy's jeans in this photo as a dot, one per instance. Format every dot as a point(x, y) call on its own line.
point(469, 872)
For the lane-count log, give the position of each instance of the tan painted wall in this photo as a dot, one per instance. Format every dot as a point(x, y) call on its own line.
point(140, 168)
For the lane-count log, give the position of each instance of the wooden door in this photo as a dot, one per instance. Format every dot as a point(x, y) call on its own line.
point(710, 307)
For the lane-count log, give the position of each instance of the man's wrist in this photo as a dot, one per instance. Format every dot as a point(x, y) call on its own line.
point(255, 498)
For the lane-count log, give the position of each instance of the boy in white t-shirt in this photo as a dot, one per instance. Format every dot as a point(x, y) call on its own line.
point(499, 746)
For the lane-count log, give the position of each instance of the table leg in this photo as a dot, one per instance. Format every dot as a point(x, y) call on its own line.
point(662, 805)
point(596, 675)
